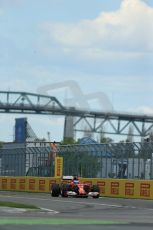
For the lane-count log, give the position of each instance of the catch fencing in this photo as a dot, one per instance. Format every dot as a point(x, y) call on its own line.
point(115, 160)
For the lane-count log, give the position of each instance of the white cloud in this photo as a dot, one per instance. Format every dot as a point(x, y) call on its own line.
point(142, 110)
point(127, 32)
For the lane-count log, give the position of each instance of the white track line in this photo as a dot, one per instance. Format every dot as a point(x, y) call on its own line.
point(64, 201)
point(49, 210)
point(76, 202)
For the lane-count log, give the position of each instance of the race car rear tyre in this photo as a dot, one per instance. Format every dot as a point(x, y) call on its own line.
point(55, 191)
point(64, 190)
point(86, 188)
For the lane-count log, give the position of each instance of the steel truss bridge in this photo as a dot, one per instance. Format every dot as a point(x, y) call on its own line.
point(94, 121)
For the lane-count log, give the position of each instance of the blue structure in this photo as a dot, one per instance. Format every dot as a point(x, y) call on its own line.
point(23, 131)
point(96, 148)
point(20, 130)
point(87, 141)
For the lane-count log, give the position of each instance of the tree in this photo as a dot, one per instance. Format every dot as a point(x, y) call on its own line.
point(106, 140)
point(81, 163)
point(68, 141)
point(1, 144)
point(78, 159)
point(150, 138)
point(103, 138)
point(146, 148)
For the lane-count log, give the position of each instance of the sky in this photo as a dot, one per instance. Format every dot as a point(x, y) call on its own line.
point(100, 47)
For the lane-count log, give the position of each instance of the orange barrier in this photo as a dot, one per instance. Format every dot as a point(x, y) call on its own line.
point(140, 189)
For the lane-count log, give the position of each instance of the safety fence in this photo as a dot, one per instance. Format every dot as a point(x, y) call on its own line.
point(115, 160)
point(140, 189)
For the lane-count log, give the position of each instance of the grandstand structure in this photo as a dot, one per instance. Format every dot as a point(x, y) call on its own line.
point(94, 121)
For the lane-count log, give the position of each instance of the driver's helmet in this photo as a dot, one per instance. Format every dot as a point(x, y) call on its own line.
point(75, 180)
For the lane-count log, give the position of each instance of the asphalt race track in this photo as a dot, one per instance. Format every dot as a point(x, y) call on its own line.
point(76, 213)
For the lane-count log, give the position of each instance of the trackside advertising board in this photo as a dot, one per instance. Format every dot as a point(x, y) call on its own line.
point(58, 167)
point(140, 189)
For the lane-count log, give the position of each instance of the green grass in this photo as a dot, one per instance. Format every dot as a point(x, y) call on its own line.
point(16, 205)
point(53, 221)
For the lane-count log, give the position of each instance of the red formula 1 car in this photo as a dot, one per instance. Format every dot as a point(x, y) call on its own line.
point(71, 187)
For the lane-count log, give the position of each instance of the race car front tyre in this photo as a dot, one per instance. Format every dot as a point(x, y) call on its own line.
point(97, 196)
point(55, 191)
point(95, 188)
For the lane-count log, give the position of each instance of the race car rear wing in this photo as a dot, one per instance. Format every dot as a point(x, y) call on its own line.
point(67, 178)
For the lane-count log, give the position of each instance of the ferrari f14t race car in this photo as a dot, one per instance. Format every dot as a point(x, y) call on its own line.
point(71, 187)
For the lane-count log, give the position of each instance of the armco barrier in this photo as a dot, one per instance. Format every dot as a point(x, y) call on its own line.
point(140, 189)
